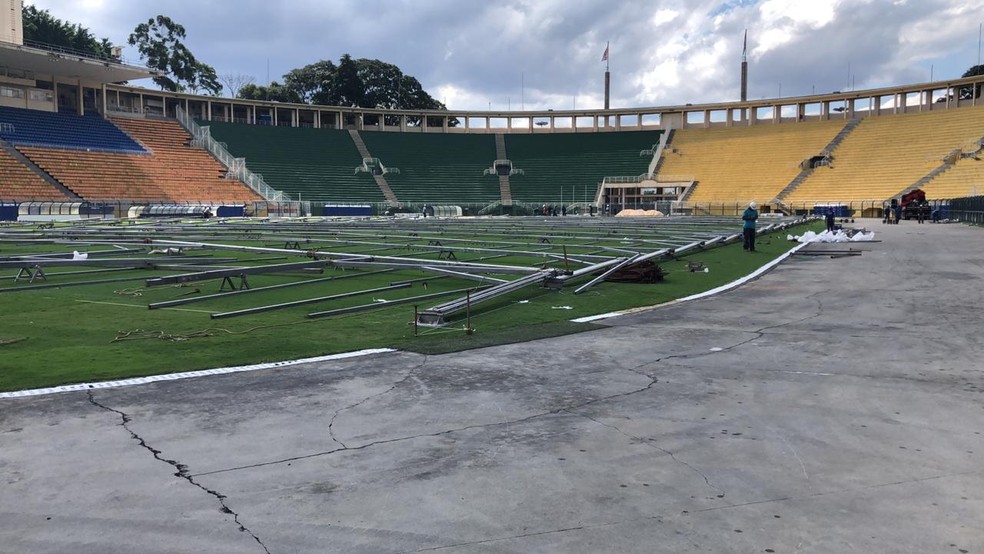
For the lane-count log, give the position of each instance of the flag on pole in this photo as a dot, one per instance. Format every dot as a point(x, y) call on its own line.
point(604, 57)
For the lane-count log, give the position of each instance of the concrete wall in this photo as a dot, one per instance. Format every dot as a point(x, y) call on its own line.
point(11, 21)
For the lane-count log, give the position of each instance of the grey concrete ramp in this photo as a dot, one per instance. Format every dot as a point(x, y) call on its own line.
point(834, 405)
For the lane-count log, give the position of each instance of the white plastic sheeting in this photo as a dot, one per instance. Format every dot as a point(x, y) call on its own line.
point(836, 236)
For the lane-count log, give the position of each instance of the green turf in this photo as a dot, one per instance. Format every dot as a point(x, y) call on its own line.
point(105, 331)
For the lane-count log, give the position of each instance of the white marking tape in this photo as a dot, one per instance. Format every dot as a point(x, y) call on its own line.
point(188, 374)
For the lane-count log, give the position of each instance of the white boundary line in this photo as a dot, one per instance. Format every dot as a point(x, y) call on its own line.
point(255, 367)
point(188, 374)
point(726, 287)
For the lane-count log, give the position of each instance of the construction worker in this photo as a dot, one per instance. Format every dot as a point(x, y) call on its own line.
point(748, 228)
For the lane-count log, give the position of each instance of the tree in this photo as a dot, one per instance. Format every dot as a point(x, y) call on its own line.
point(233, 82)
point(159, 43)
point(360, 83)
point(310, 82)
point(346, 85)
point(357, 83)
point(41, 27)
point(275, 92)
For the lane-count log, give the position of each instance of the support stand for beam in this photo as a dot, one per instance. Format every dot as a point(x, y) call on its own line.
point(243, 282)
point(26, 272)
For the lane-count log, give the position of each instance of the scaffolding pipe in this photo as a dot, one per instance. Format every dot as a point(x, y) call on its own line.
point(603, 276)
point(463, 275)
point(271, 307)
point(189, 300)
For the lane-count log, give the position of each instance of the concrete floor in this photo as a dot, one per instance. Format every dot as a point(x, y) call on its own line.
point(834, 405)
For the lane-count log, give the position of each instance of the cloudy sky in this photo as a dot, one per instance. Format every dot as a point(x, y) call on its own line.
point(540, 54)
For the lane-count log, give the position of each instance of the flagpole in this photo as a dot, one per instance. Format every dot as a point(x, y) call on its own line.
point(608, 77)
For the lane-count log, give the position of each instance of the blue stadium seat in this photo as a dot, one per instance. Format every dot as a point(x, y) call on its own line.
point(62, 130)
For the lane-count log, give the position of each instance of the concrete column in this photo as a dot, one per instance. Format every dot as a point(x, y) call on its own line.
point(105, 104)
point(81, 104)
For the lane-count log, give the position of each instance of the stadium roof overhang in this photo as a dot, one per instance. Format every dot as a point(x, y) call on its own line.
point(43, 63)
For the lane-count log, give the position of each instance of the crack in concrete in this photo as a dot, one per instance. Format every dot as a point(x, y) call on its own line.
point(182, 470)
point(520, 536)
point(758, 333)
point(331, 424)
point(435, 433)
point(649, 443)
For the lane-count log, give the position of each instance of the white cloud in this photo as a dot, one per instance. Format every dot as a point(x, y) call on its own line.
point(473, 52)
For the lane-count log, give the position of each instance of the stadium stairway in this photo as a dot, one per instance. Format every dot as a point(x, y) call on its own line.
point(169, 171)
point(738, 164)
point(380, 180)
point(505, 193)
point(312, 165)
point(888, 154)
point(22, 180)
point(827, 151)
point(437, 168)
point(961, 174)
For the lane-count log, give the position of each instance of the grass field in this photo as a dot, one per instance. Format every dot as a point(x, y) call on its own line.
point(77, 327)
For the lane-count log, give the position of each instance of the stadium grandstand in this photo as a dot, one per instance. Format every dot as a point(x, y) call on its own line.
point(71, 132)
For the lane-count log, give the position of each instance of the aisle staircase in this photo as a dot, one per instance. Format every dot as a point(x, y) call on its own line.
point(808, 169)
point(380, 180)
point(500, 154)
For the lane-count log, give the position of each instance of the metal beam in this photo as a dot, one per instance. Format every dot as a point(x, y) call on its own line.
point(192, 299)
point(463, 275)
point(603, 276)
point(284, 305)
point(232, 272)
point(388, 303)
point(112, 262)
point(435, 315)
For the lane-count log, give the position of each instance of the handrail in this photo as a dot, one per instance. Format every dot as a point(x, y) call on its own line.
point(648, 177)
point(47, 47)
point(201, 137)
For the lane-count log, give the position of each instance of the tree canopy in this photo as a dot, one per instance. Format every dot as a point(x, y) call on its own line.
point(274, 92)
point(361, 83)
point(40, 26)
point(159, 42)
